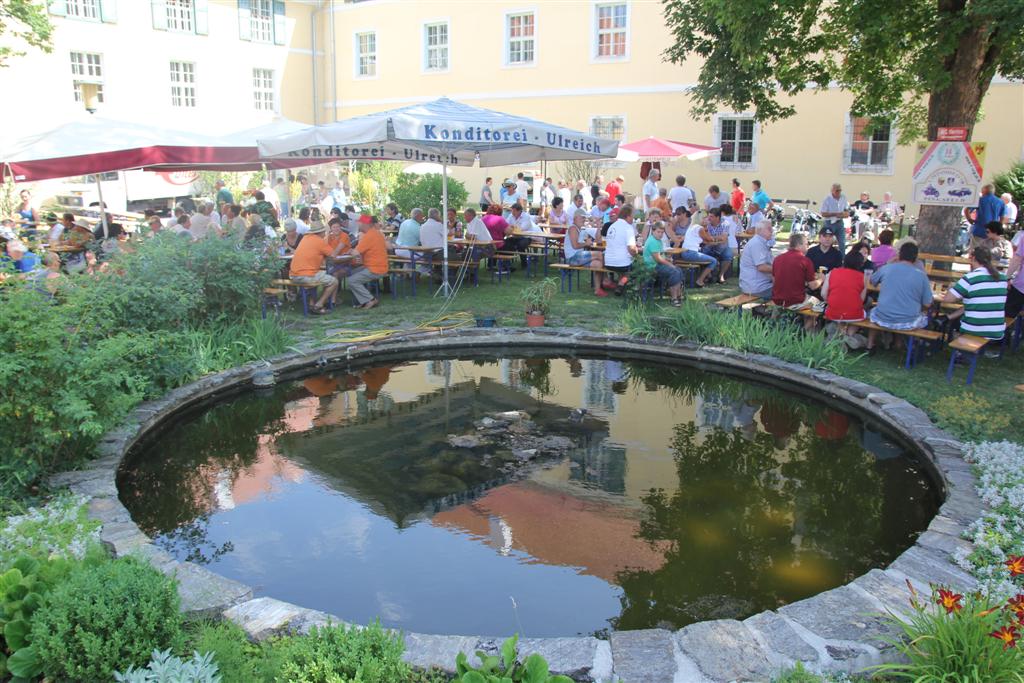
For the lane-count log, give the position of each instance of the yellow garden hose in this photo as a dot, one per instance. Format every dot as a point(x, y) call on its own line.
point(460, 319)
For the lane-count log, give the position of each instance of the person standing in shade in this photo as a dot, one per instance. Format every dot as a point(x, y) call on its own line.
point(714, 198)
point(223, 194)
point(614, 187)
point(990, 208)
point(486, 198)
point(761, 197)
point(650, 191)
point(370, 263)
point(680, 195)
point(834, 208)
point(522, 187)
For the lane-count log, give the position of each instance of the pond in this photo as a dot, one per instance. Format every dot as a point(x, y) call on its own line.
point(428, 494)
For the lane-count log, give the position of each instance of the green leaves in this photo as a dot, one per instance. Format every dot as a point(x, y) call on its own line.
point(25, 663)
point(505, 669)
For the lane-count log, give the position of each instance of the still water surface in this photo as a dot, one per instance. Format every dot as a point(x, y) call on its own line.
point(688, 496)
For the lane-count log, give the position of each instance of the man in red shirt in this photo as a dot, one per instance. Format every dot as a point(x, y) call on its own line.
point(793, 272)
point(614, 187)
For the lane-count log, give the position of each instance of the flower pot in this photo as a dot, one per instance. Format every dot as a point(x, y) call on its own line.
point(485, 322)
point(534, 320)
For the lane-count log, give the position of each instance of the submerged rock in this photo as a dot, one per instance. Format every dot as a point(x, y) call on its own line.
point(465, 441)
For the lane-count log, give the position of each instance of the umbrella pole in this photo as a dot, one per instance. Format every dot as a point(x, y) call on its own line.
point(103, 207)
point(445, 287)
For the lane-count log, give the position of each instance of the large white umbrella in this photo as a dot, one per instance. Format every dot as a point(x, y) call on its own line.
point(442, 131)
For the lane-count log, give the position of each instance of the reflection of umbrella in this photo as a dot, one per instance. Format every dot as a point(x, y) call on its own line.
point(442, 131)
point(833, 426)
point(658, 149)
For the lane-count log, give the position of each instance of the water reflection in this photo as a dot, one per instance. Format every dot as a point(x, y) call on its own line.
point(687, 496)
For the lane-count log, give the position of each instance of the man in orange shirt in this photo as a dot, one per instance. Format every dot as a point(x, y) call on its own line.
point(307, 262)
point(371, 262)
point(338, 234)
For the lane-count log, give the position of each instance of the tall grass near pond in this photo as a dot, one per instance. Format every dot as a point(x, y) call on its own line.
point(700, 324)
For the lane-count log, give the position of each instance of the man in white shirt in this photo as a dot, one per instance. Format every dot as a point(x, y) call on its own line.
point(650, 191)
point(584, 191)
point(576, 205)
point(1010, 217)
point(889, 208)
point(754, 213)
point(680, 195)
point(834, 208)
point(715, 198)
point(475, 228)
point(522, 187)
point(302, 222)
point(621, 247)
point(522, 220)
point(202, 223)
point(432, 235)
point(565, 193)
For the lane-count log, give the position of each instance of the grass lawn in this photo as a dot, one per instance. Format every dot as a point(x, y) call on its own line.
point(982, 411)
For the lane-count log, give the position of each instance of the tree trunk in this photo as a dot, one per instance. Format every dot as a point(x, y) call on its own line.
point(971, 71)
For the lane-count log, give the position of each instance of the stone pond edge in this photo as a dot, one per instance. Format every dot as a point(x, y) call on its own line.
point(838, 630)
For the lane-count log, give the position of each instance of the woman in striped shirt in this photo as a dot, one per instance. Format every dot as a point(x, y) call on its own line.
point(983, 293)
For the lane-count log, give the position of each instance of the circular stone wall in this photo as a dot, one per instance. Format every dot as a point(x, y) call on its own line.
point(833, 630)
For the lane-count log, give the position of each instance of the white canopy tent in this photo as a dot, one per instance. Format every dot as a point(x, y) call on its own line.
point(442, 131)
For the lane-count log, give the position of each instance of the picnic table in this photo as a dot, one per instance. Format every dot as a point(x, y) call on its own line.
point(66, 248)
point(548, 238)
point(944, 258)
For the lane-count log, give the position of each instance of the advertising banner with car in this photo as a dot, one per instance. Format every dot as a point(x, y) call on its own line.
point(948, 173)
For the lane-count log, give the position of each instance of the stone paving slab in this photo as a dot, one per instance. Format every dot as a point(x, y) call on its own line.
point(203, 593)
point(646, 656)
point(725, 650)
point(783, 644)
point(926, 566)
point(581, 659)
point(842, 614)
point(261, 618)
point(427, 651)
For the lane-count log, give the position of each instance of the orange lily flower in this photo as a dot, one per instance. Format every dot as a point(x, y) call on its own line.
point(949, 600)
point(1007, 634)
point(1016, 565)
point(1016, 605)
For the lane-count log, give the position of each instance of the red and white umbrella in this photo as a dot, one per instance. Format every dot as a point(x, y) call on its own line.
point(659, 149)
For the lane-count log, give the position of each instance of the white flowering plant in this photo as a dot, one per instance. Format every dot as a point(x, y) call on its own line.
point(999, 534)
point(60, 528)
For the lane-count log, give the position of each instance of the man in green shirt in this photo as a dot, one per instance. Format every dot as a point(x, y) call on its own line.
point(223, 194)
point(663, 268)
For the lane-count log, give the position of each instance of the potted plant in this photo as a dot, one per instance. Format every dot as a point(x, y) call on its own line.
point(537, 298)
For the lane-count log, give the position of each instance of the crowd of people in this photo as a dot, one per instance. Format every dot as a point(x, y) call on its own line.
point(324, 240)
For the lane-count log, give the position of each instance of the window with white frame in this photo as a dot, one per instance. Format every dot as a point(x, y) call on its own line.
point(608, 127)
point(183, 84)
point(83, 9)
point(179, 16)
point(435, 44)
point(366, 54)
point(612, 29)
point(869, 149)
point(263, 89)
point(737, 136)
point(262, 16)
point(88, 67)
point(520, 38)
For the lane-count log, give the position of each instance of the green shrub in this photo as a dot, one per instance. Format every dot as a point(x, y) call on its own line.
point(104, 617)
point(701, 324)
point(239, 660)
point(950, 638)
point(424, 192)
point(1011, 180)
point(506, 668)
point(970, 416)
point(61, 528)
point(23, 585)
point(164, 667)
point(341, 654)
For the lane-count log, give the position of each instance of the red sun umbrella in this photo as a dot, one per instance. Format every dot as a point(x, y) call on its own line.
point(659, 149)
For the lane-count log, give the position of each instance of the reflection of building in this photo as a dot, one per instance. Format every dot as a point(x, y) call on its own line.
point(601, 464)
point(557, 528)
point(597, 387)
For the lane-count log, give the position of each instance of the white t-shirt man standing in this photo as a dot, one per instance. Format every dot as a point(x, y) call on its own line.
point(680, 195)
point(650, 191)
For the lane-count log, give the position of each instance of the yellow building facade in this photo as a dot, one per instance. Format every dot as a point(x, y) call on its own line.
point(597, 66)
point(592, 65)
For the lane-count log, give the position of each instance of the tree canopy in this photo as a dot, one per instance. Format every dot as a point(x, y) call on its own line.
point(889, 55)
point(27, 24)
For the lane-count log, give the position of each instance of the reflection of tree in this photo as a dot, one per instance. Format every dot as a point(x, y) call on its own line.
point(190, 542)
point(751, 527)
point(536, 373)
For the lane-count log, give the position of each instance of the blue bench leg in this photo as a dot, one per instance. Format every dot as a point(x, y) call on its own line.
point(952, 364)
point(305, 303)
point(970, 370)
point(908, 363)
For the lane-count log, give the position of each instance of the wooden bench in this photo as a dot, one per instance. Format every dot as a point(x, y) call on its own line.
point(920, 334)
point(738, 302)
point(966, 345)
point(565, 272)
point(270, 295)
point(502, 264)
point(304, 292)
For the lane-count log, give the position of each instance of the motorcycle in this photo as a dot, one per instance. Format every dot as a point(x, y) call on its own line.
point(805, 220)
point(963, 238)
